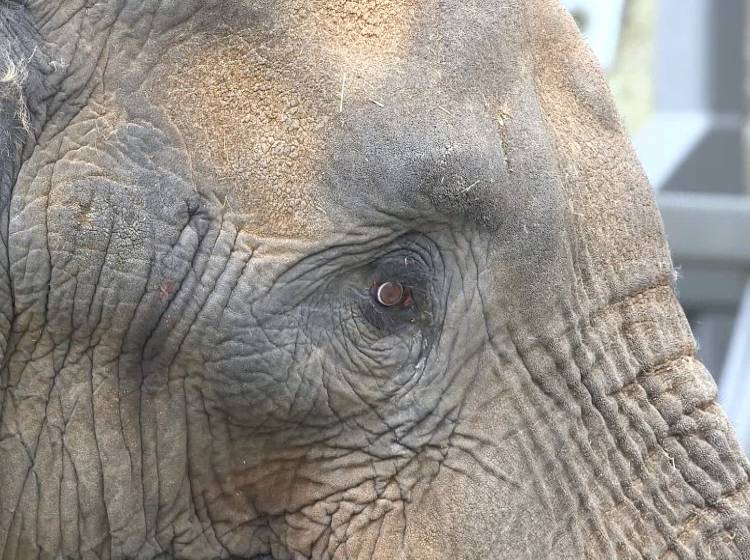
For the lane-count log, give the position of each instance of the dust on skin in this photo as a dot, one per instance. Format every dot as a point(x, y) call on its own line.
point(587, 131)
point(255, 114)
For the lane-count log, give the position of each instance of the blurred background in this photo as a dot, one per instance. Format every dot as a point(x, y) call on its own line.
point(680, 73)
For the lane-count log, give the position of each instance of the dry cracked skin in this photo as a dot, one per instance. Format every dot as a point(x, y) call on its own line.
point(362, 279)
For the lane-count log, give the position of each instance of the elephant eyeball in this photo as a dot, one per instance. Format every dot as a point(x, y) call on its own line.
point(392, 295)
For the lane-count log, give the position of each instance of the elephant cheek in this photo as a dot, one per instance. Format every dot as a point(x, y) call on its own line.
point(459, 518)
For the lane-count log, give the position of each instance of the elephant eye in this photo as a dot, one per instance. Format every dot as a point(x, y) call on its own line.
point(392, 295)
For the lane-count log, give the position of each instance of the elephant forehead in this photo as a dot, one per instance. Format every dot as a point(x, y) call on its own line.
point(247, 129)
point(255, 105)
point(372, 28)
point(310, 114)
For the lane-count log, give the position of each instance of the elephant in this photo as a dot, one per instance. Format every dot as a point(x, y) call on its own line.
point(339, 279)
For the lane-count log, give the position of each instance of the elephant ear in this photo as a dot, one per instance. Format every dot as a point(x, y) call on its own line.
point(20, 87)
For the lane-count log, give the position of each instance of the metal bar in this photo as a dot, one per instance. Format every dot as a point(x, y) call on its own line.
point(710, 229)
point(666, 142)
point(713, 329)
point(707, 286)
point(734, 392)
point(700, 56)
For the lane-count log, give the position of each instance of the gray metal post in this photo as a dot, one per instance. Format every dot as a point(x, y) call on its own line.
point(734, 391)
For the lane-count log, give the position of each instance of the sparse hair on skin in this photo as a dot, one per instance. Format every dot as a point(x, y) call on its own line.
point(12, 81)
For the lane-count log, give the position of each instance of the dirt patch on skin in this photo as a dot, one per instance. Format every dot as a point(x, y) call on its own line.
point(257, 135)
point(256, 113)
point(371, 28)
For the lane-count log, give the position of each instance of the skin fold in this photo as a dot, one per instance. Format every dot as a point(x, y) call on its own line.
point(198, 203)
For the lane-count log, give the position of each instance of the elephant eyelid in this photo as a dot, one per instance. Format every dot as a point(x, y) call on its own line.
point(398, 291)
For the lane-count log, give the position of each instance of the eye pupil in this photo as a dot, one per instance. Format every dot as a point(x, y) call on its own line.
point(391, 294)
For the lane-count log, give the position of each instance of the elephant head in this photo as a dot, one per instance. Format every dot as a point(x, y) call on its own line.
point(327, 279)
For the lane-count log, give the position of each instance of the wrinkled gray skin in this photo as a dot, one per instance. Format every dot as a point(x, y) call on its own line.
point(195, 199)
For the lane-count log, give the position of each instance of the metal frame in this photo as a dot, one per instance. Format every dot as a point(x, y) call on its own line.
point(699, 101)
point(708, 228)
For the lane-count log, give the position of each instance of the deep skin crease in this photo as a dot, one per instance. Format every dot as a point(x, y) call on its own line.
point(198, 201)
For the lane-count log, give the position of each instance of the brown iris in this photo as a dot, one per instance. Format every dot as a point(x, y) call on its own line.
point(392, 295)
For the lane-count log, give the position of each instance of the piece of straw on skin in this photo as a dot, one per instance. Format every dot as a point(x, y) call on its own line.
point(341, 101)
point(467, 189)
point(446, 111)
